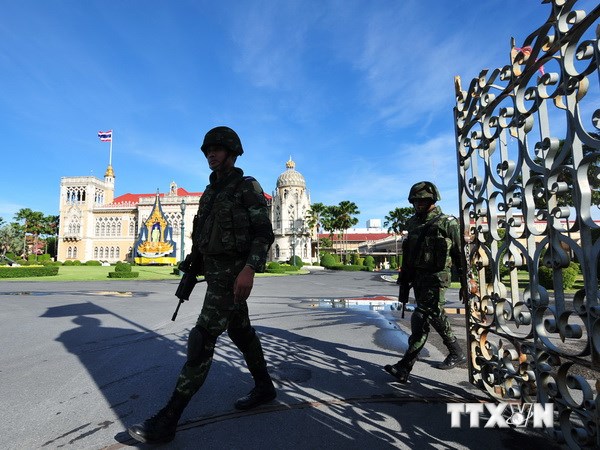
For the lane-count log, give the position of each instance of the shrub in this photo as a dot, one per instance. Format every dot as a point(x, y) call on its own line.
point(274, 267)
point(369, 263)
point(31, 271)
point(122, 267)
point(348, 267)
point(295, 261)
point(569, 275)
point(327, 260)
point(123, 270)
point(92, 262)
point(288, 268)
point(123, 274)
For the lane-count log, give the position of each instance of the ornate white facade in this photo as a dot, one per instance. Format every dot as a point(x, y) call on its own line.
point(289, 206)
point(96, 225)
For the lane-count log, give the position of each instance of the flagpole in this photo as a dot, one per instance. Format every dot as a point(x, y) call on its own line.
point(112, 136)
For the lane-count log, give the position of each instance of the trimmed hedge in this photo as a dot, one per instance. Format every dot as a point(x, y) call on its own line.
point(296, 261)
point(327, 260)
point(28, 271)
point(123, 270)
point(369, 262)
point(123, 274)
point(93, 262)
point(348, 268)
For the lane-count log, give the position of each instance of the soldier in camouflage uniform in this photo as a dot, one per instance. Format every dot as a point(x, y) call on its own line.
point(429, 250)
point(231, 236)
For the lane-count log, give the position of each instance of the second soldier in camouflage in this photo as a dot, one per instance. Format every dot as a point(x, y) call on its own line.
point(428, 252)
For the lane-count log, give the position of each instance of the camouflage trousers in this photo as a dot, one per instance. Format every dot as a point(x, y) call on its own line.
point(430, 300)
point(219, 313)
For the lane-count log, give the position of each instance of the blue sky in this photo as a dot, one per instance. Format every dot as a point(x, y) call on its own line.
point(358, 92)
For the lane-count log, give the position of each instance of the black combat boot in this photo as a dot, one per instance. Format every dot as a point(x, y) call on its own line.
point(400, 370)
point(456, 356)
point(263, 392)
point(161, 427)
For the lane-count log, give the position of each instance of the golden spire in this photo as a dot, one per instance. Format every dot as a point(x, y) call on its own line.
point(109, 172)
point(290, 164)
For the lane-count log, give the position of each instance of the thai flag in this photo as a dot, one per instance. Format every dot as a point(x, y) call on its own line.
point(105, 136)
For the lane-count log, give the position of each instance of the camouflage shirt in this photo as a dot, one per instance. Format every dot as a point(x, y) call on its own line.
point(439, 248)
point(233, 220)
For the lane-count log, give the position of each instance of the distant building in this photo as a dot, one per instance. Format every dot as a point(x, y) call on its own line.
point(289, 207)
point(96, 225)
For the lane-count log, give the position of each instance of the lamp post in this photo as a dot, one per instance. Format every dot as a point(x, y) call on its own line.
point(182, 229)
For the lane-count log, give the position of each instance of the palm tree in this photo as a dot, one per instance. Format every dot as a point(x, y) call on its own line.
point(345, 219)
point(314, 218)
point(396, 222)
point(396, 219)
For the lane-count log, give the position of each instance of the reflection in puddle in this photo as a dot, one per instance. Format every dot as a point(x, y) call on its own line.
point(374, 303)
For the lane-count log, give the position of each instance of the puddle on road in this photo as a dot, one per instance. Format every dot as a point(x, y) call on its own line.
point(25, 293)
point(102, 293)
point(368, 303)
point(111, 293)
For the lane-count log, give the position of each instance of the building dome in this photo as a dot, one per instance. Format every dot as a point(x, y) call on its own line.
point(291, 178)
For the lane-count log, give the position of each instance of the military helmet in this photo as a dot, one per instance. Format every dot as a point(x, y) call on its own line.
point(224, 137)
point(424, 189)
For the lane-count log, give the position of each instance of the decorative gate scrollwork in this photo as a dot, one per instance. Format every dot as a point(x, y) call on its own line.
point(528, 150)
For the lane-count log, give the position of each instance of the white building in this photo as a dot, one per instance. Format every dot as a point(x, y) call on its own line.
point(289, 206)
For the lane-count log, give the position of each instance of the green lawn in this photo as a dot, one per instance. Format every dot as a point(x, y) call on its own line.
point(99, 273)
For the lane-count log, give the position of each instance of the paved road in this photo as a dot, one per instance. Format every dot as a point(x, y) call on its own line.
point(81, 361)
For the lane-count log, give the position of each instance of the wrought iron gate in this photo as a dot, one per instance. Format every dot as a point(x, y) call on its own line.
point(528, 150)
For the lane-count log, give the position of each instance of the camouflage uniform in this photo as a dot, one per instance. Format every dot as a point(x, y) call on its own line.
point(236, 232)
point(431, 268)
point(428, 252)
point(232, 230)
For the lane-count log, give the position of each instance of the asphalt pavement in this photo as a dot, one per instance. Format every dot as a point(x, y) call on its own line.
point(81, 361)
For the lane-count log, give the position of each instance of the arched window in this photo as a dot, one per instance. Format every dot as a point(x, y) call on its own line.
point(101, 256)
point(112, 253)
point(95, 252)
point(277, 251)
point(69, 252)
point(75, 252)
point(118, 253)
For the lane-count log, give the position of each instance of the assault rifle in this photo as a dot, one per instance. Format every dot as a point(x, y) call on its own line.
point(184, 290)
point(191, 266)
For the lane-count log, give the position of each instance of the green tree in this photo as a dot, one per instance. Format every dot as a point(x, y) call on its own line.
point(11, 238)
point(33, 223)
point(314, 219)
point(345, 219)
point(49, 231)
point(396, 220)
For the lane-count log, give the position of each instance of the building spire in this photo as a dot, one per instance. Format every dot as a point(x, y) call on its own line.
point(290, 164)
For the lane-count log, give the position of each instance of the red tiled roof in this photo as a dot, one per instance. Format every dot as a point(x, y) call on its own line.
point(181, 192)
point(357, 237)
point(134, 198)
